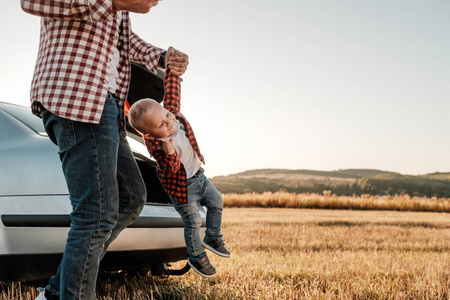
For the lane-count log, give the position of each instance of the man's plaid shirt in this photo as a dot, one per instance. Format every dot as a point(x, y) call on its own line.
point(171, 171)
point(76, 47)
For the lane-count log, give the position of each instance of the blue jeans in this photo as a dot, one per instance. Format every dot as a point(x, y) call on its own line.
point(106, 191)
point(201, 192)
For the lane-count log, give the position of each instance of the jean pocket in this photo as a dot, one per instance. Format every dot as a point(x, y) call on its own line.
point(67, 135)
point(60, 130)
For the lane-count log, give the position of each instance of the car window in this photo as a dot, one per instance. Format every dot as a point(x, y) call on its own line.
point(137, 144)
point(24, 115)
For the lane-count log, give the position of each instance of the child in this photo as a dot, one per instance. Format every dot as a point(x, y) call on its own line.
point(170, 140)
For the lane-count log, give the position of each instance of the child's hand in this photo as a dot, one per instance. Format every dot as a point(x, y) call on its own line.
point(148, 136)
point(168, 147)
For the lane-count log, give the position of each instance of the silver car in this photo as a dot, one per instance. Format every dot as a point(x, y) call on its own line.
point(35, 205)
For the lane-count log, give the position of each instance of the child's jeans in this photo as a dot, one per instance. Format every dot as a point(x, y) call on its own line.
point(201, 192)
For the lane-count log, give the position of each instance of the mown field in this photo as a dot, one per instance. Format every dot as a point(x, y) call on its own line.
point(281, 253)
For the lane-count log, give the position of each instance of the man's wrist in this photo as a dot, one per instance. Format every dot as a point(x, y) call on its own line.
point(162, 60)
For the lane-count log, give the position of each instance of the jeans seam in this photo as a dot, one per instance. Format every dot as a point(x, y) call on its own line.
point(89, 255)
point(82, 285)
point(128, 190)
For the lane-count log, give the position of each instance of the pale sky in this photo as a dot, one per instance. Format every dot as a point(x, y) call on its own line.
point(294, 84)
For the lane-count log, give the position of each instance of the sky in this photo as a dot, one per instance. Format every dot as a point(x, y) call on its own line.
point(294, 84)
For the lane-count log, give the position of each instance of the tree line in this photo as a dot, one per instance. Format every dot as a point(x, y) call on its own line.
point(381, 184)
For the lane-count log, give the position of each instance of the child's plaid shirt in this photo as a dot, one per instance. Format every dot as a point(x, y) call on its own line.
point(171, 171)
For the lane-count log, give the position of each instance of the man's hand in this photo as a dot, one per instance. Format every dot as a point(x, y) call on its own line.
point(137, 6)
point(177, 61)
point(168, 147)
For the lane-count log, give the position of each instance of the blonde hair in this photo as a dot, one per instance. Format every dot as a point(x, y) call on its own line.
point(138, 110)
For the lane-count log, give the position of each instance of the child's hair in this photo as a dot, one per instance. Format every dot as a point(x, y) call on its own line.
point(137, 111)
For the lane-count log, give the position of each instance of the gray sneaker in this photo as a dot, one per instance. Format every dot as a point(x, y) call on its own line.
point(216, 244)
point(45, 295)
point(41, 295)
point(202, 266)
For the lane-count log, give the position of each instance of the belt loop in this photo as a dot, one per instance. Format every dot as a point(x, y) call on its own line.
point(112, 95)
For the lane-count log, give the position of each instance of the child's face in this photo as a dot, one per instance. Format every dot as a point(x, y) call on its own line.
point(159, 123)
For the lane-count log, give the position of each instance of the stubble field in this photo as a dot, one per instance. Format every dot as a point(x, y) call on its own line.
point(306, 254)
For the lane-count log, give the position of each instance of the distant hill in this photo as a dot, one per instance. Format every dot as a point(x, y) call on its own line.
point(340, 182)
point(359, 173)
point(440, 176)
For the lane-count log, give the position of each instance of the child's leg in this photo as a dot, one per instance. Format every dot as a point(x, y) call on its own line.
point(190, 214)
point(212, 200)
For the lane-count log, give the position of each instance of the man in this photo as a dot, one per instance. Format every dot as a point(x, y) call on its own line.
point(79, 88)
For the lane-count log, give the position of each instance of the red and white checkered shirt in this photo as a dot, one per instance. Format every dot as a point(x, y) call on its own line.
point(76, 47)
point(171, 171)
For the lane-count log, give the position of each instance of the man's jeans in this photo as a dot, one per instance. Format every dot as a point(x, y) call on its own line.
point(201, 192)
point(106, 190)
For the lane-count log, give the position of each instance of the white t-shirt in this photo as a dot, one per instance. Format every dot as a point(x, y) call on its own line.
point(113, 73)
point(184, 150)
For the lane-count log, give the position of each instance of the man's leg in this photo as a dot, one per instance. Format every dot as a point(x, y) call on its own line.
point(132, 192)
point(88, 154)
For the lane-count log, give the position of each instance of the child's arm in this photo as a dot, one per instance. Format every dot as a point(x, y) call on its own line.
point(168, 161)
point(172, 96)
point(168, 147)
point(171, 160)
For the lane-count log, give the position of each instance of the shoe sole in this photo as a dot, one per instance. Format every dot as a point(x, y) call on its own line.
point(202, 274)
point(215, 251)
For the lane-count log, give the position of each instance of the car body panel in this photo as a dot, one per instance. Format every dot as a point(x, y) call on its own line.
point(35, 206)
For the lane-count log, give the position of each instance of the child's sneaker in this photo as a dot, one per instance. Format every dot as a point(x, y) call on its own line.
point(216, 244)
point(202, 266)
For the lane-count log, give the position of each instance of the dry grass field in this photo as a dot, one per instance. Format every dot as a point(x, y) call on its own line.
point(307, 254)
point(326, 200)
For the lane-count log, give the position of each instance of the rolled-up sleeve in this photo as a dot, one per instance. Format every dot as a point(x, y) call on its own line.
point(170, 164)
point(88, 10)
point(144, 53)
